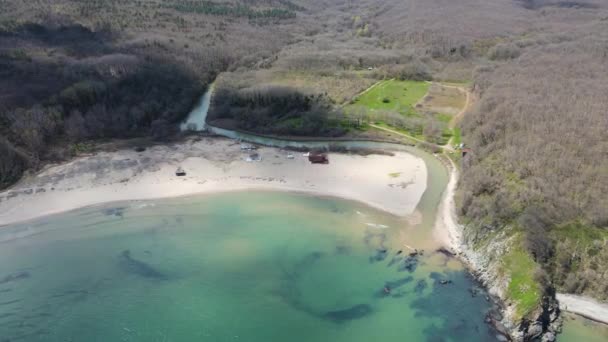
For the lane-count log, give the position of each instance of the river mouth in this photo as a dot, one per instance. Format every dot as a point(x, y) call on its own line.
point(253, 266)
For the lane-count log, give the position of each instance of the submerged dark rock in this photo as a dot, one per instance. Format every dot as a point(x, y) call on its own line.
point(394, 260)
point(10, 302)
point(420, 286)
point(380, 255)
point(139, 267)
point(409, 264)
point(393, 284)
point(374, 239)
point(118, 211)
point(15, 276)
point(342, 250)
point(354, 312)
point(446, 252)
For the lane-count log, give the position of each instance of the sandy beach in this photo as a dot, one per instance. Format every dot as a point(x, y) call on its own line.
point(391, 183)
point(447, 230)
point(584, 306)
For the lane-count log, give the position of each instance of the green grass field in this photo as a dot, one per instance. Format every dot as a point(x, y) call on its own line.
point(401, 97)
point(523, 289)
point(394, 95)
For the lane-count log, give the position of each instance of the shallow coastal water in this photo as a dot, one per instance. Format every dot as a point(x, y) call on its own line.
point(256, 266)
point(579, 329)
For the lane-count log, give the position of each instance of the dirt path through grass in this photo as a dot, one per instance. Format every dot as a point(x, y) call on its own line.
point(451, 125)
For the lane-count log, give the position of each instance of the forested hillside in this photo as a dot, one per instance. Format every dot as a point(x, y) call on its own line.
point(75, 72)
point(540, 142)
point(79, 71)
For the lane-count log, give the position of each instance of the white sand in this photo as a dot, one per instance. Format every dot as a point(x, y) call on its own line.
point(447, 230)
point(584, 306)
point(214, 165)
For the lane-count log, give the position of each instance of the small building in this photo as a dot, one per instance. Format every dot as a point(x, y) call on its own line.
point(318, 158)
point(180, 172)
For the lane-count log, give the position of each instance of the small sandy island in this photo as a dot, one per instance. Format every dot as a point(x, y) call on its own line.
point(391, 183)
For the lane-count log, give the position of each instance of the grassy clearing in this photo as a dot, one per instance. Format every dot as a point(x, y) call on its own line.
point(418, 109)
point(412, 133)
point(443, 99)
point(393, 95)
point(523, 289)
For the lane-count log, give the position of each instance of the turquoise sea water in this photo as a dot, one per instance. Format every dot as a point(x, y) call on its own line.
point(255, 266)
point(579, 329)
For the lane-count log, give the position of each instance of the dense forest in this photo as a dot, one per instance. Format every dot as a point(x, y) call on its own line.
point(74, 85)
point(540, 142)
point(277, 111)
point(79, 71)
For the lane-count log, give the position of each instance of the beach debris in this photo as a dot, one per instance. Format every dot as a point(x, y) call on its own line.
point(140, 149)
point(180, 172)
point(248, 147)
point(410, 247)
point(253, 157)
point(376, 225)
point(290, 156)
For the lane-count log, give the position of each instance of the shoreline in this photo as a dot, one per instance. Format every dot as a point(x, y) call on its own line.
point(393, 184)
point(448, 231)
point(586, 307)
